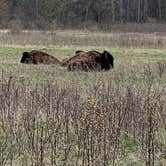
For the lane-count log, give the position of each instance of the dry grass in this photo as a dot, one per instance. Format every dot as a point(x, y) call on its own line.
point(84, 38)
point(85, 119)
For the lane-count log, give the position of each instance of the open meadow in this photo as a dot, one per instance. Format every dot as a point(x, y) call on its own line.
point(52, 117)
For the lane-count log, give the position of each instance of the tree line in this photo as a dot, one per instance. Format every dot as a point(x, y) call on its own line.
point(43, 14)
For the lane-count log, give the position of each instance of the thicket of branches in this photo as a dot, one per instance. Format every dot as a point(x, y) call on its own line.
point(103, 124)
point(77, 13)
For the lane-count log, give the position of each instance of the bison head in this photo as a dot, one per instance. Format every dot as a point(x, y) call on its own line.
point(25, 57)
point(107, 60)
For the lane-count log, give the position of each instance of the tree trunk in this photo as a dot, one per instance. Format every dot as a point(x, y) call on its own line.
point(121, 11)
point(113, 11)
point(138, 14)
point(159, 4)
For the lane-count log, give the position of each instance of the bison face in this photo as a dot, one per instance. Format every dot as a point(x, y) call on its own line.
point(25, 57)
point(107, 61)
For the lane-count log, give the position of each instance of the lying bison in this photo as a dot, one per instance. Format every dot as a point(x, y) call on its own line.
point(38, 57)
point(91, 60)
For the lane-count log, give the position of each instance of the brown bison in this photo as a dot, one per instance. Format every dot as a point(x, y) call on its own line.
point(38, 57)
point(91, 60)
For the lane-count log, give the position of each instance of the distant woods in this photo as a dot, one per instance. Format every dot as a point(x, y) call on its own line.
point(52, 14)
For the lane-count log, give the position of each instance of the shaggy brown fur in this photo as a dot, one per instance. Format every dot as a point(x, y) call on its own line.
point(38, 57)
point(83, 61)
point(91, 60)
point(78, 54)
point(83, 65)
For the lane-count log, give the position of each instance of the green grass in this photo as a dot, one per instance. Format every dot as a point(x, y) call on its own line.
point(129, 64)
point(126, 62)
point(14, 53)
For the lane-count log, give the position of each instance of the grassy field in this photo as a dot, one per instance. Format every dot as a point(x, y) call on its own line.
point(53, 117)
point(125, 59)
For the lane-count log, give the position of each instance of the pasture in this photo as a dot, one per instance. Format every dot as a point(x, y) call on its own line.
point(49, 116)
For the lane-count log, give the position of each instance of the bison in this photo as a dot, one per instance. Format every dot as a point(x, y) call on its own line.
point(38, 57)
point(91, 60)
